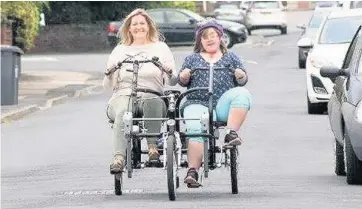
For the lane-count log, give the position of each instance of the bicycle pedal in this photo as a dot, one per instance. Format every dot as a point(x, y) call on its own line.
point(115, 172)
point(196, 185)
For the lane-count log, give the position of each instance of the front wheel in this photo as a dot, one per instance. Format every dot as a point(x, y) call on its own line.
point(171, 175)
point(234, 170)
point(339, 159)
point(228, 39)
point(118, 183)
point(353, 164)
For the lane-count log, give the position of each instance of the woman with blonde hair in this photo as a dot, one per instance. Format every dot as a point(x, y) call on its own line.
point(140, 41)
point(231, 101)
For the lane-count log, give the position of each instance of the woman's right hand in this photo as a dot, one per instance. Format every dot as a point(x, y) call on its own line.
point(185, 75)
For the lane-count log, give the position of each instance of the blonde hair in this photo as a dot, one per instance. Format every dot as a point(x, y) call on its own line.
point(153, 34)
point(198, 45)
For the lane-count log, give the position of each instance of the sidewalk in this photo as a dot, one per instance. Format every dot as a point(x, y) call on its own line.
point(42, 90)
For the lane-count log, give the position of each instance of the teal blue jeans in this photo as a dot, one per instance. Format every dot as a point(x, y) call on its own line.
point(238, 97)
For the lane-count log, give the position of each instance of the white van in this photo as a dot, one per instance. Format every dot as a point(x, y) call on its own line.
point(265, 15)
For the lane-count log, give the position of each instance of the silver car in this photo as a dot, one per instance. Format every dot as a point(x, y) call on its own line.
point(230, 12)
point(305, 42)
point(345, 111)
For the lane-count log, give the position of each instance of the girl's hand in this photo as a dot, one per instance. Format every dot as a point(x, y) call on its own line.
point(185, 75)
point(239, 74)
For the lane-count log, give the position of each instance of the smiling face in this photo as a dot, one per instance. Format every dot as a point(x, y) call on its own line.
point(210, 40)
point(139, 27)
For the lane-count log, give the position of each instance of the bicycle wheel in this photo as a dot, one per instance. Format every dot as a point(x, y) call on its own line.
point(234, 170)
point(118, 183)
point(171, 175)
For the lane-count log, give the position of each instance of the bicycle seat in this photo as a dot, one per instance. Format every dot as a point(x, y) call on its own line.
point(168, 92)
point(219, 124)
point(176, 92)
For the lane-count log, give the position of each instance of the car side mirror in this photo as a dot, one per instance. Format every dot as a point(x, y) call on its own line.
point(301, 26)
point(305, 42)
point(192, 21)
point(333, 72)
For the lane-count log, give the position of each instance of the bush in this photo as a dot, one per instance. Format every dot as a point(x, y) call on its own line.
point(27, 13)
point(189, 5)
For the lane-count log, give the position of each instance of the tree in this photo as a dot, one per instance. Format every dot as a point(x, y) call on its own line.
point(24, 15)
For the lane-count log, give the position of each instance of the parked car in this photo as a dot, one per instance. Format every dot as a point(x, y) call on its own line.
point(329, 48)
point(305, 42)
point(178, 27)
point(345, 111)
point(266, 15)
point(230, 12)
point(327, 4)
point(351, 4)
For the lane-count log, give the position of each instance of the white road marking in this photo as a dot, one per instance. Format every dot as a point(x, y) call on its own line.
point(251, 62)
point(39, 59)
point(102, 192)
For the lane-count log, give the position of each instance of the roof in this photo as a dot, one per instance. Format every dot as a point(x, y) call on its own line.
point(345, 13)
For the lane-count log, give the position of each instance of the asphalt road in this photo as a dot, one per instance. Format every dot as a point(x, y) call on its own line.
point(59, 158)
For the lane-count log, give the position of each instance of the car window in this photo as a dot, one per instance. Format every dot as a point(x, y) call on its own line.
point(323, 4)
point(228, 6)
point(316, 20)
point(157, 17)
point(177, 17)
point(356, 4)
point(265, 5)
point(351, 49)
point(340, 30)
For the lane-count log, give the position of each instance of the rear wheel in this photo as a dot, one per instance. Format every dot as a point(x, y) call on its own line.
point(234, 170)
point(283, 30)
point(171, 175)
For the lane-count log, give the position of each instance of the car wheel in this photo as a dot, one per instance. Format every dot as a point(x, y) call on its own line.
point(353, 165)
point(228, 40)
point(315, 108)
point(283, 30)
point(300, 60)
point(340, 169)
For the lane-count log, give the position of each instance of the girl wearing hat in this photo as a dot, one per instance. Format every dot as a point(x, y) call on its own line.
point(231, 101)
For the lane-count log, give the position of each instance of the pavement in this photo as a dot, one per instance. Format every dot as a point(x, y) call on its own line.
point(41, 90)
point(59, 158)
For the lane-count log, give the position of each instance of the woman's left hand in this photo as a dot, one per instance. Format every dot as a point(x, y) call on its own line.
point(239, 74)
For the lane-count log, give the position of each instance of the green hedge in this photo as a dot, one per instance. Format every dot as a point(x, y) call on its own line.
point(28, 12)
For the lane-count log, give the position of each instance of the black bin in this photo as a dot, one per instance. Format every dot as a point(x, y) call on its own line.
point(10, 74)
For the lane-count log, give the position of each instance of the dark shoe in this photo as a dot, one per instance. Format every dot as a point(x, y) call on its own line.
point(192, 177)
point(117, 165)
point(232, 139)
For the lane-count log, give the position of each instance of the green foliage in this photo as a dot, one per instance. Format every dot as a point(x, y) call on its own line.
point(189, 5)
point(28, 13)
point(85, 12)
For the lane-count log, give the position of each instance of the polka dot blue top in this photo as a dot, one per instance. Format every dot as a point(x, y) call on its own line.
point(224, 79)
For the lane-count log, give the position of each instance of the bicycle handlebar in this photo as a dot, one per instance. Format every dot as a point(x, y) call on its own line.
point(154, 60)
point(240, 82)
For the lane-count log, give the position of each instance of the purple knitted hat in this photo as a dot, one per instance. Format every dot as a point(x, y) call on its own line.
point(210, 22)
